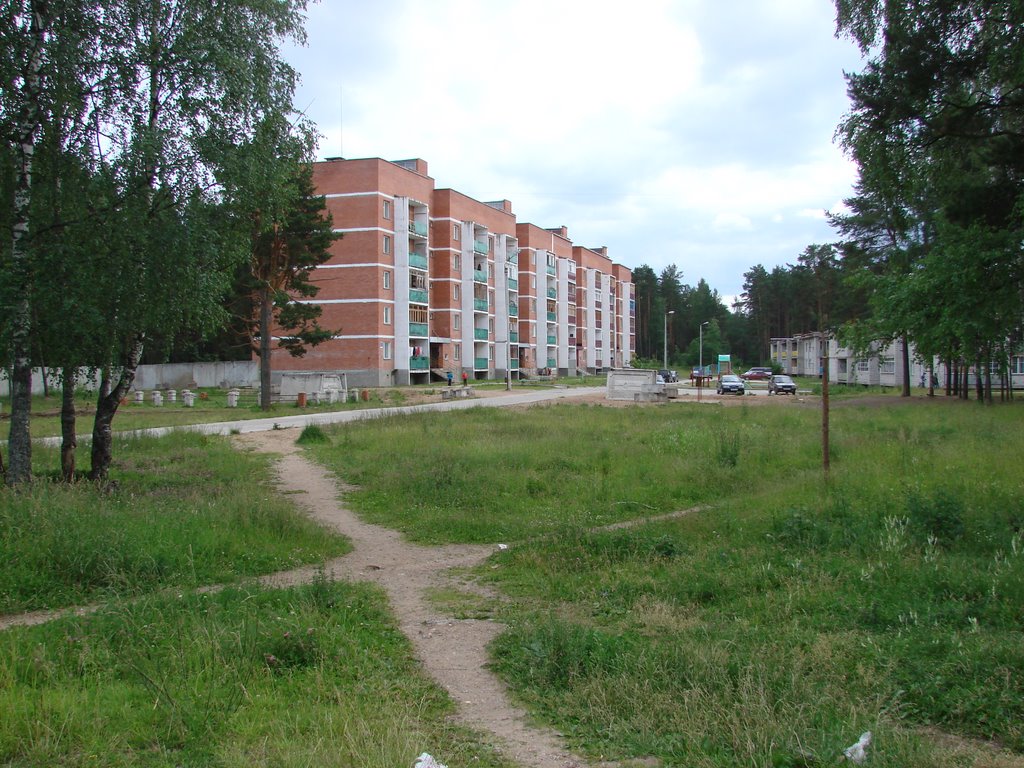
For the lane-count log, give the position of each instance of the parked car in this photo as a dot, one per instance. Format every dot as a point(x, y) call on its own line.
point(731, 383)
point(669, 376)
point(759, 374)
point(781, 385)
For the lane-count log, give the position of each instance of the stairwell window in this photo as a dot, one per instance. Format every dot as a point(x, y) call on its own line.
point(387, 315)
point(387, 244)
point(387, 209)
point(455, 231)
point(386, 347)
point(458, 351)
point(387, 280)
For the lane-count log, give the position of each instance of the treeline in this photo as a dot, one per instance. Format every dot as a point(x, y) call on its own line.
point(155, 184)
point(930, 248)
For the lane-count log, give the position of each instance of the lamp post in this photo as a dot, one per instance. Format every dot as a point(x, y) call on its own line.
point(664, 351)
point(700, 358)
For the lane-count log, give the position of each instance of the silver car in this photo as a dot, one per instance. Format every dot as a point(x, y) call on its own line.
point(781, 385)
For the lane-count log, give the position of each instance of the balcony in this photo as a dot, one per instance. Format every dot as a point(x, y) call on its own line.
point(418, 229)
point(552, 340)
point(417, 260)
point(552, 362)
point(418, 330)
point(513, 311)
point(480, 363)
point(513, 284)
point(480, 305)
point(479, 247)
point(419, 363)
point(552, 317)
point(513, 337)
point(480, 275)
point(513, 364)
point(551, 270)
point(480, 334)
point(418, 295)
point(552, 293)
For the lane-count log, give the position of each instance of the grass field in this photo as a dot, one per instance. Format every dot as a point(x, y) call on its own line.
point(770, 626)
point(783, 618)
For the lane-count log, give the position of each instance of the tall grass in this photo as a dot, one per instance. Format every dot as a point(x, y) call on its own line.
point(317, 675)
point(778, 623)
point(187, 510)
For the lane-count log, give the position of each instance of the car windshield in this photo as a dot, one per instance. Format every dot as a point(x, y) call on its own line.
point(783, 380)
point(730, 378)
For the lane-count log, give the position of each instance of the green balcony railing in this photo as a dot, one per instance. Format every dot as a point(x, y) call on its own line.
point(419, 363)
point(513, 364)
point(551, 270)
point(552, 317)
point(479, 247)
point(480, 305)
point(480, 275)
point(552, 293)
point(418, 330)
point(513, 337)
point(513, 311)
point(418, 295)
point(417, 228)
point(552, 363)
point(417, 260)
point(513, 284)
point(480, 334)
point(552, 339)
point(480, 363)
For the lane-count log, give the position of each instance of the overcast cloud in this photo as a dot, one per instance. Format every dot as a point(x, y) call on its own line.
point(694, 133)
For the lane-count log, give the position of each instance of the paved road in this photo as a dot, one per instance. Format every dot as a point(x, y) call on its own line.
point(337, 417)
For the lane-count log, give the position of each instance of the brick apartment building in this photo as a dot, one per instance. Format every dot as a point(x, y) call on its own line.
point(426, 280)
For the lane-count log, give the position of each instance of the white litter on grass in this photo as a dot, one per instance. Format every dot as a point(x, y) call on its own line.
point(502, 547)
point(426, 761)
point(858, 753)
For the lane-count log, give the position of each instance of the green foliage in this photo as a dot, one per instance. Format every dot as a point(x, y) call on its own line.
point(238, 678)
point(158, 527)
point(770, 627)
point(312, 434)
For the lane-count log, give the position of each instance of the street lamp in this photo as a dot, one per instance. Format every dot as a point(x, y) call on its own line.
point(700, 358)
point(664, 351)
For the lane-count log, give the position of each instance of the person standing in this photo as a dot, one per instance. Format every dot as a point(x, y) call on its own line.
point(450, 377)
point(465, 378)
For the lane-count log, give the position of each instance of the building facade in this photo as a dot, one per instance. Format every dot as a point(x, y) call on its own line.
point(425, 281)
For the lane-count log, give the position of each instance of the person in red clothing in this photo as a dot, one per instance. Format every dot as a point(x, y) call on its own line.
point(465, 378)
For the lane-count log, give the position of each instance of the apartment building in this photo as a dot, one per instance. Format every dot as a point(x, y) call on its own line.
point(426, 280)
point(605, 311)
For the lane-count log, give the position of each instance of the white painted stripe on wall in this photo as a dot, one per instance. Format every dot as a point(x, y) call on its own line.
point(362, 264)
point(372, 193)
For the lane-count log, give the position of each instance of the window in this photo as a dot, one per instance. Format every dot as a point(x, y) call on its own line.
point(386, 346)
point(387, 280)
point(862, 366)
point(1017, 366)
point(457, 262)
point(387, 315)
point(455, 234)
point(533, 282)
point(455, 291)
point(888, 365)
point(458, 351)
point(387, 209)
point(457, 323)
point(387, 243)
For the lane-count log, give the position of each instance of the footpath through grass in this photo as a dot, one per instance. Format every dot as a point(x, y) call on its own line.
point(769, 629)
point(164, 676)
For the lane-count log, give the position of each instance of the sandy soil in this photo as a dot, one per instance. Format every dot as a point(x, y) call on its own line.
point(452, 651)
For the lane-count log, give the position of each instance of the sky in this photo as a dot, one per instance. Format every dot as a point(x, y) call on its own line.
point(694, 133)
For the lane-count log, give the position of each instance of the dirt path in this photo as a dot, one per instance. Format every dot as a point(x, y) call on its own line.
point(452, 651)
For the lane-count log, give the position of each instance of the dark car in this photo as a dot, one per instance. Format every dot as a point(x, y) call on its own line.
point(731, 383)
point(781, 385)
point(669, 376)
point(758, 374)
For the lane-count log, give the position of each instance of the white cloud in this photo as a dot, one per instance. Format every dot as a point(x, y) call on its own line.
point(673, 131)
